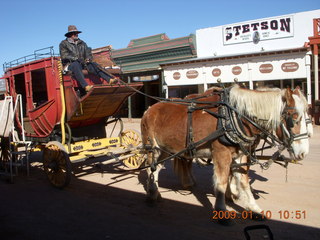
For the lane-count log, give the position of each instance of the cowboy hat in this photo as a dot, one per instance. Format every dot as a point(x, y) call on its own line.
point(72, 29)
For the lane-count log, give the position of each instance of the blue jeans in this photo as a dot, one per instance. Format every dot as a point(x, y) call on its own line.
point(76, 67)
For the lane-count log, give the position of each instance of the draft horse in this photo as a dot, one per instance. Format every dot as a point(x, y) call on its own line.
point(225, 126)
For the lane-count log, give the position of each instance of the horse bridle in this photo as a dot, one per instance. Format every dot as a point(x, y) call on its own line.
point(308, 121)
point(288, 135)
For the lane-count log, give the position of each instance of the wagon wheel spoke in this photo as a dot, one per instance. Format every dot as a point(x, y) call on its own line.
point(57, 165)
point(135, 161)
point(58, 178)
point(131, 138)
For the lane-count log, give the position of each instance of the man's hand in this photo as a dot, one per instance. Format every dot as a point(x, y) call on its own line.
point(113, 81)
point(81, 61)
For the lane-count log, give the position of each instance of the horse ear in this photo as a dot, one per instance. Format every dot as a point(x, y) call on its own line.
point(288, 96)
point(297, 90)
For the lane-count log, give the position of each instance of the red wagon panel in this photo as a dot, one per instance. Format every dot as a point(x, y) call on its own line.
point(100, 102)
point(39, 84)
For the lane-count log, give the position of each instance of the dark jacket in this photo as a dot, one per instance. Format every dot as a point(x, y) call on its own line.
point(71, 52)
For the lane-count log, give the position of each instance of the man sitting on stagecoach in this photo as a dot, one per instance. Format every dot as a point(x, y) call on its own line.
point(76, 55)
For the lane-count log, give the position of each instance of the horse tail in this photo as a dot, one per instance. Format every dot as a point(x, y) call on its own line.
point(147, 135)
point(145, 130)
point(183, 168)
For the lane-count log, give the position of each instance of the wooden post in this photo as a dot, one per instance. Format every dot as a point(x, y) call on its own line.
point(316, 72)
point(129, 102)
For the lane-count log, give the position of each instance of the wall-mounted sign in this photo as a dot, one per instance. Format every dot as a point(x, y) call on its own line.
point(147, 78)
point(273, 28)
point(176, 75)
point(236, 70)
point(216, 72)
point(290, 67)
point(266, 68)
point(191, 74)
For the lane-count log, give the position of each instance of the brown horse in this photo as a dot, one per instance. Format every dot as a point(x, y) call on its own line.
point(164, 128)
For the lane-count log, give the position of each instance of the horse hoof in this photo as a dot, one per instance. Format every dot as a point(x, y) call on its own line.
point(188, 187)
point(150, 202)
point(153, 198)
point(229, 198)
point(226, 222)
point(258, 217)
point(159, 198)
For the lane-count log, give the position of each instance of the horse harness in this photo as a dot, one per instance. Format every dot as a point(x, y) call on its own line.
point(228, 120)
point(290, 137)
point(230, 130)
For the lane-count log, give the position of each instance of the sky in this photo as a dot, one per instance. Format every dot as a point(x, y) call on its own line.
point(29, 25)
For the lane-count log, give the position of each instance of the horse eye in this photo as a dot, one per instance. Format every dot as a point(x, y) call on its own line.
point(299, 119)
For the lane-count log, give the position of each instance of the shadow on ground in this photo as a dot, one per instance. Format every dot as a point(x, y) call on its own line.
point(32, 209)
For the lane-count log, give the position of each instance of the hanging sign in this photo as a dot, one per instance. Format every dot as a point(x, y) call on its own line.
point(191, 74)
point(290, 67)
point(176, 75)
point(236, 70)
point(266, 68)
point(216, 72)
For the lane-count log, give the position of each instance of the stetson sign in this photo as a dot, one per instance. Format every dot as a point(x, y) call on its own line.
point(256, 31)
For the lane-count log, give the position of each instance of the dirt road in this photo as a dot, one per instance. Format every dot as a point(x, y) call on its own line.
point(111, 205)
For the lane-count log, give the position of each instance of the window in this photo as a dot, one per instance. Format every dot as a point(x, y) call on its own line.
point(39, 87)
point(20, 88)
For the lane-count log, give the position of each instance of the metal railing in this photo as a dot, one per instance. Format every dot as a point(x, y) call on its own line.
point(37, 54)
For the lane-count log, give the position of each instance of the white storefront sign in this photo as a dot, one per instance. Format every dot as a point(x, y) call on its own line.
point(259, 50)
point(261, 68)
point(255, 31)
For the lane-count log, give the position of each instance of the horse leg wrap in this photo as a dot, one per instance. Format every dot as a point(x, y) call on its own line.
point(153, 165)
point(151, 177)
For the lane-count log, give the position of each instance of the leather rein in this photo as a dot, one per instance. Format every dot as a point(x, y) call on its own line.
point(230, 127)
point(231, 131)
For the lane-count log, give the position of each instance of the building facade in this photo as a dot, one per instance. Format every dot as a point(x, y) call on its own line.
point(272, 51)
point(141, 60)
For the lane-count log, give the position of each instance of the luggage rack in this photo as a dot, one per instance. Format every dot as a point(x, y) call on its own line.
point(37, 54)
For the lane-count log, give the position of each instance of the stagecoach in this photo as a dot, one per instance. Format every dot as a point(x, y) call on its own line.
point(43, 109)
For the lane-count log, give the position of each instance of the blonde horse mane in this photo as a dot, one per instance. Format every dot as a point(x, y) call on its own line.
point(300, 99)
point(264, 106)
point(304, 99)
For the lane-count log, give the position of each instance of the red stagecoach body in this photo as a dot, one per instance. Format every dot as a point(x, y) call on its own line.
point(52, 114)
point(38, 82)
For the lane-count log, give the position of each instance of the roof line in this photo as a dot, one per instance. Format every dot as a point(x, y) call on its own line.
point(243, 55)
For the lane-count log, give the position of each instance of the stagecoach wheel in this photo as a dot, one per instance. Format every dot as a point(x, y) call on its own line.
point(56, 164)
point(131, 138)
point(135, 161)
